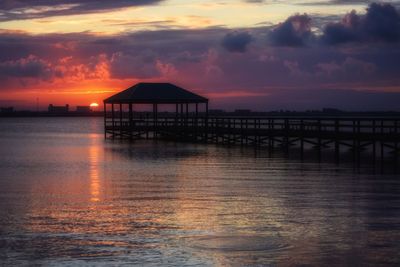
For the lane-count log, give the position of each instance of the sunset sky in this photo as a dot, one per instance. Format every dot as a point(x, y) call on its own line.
point(258, 54)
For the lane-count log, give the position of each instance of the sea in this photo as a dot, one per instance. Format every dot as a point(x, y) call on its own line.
point(68, 197)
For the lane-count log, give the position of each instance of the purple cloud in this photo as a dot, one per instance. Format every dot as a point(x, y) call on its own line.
point(381, 23)
point(294, 31)
point(237, 41)
point(31, 67)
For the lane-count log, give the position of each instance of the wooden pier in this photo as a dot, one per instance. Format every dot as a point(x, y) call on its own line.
point(377, 137)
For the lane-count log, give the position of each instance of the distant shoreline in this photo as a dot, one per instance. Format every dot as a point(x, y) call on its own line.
point(216, 114)
point(50, 114)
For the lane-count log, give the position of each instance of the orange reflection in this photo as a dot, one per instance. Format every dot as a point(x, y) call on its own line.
point(94, 172)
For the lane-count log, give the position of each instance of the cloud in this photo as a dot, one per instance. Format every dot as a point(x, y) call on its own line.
point(237, 41)
point(27, 9)
point(30, 67)
point(192, 56)
point(381, 23)
point(350, 66)
point(142, 66)
point(79, 57)
point(294, 31)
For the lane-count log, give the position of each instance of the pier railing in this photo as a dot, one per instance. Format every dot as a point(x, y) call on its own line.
point(327, 125)
point(358, 134)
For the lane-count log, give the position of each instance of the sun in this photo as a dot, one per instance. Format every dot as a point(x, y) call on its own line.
point(94, 105)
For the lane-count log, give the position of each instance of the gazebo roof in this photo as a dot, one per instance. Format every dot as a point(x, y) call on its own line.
point(161, 93)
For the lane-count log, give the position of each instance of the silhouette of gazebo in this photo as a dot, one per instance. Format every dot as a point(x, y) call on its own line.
point(155, 94)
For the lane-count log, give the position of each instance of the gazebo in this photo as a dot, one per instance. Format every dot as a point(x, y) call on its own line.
point(123, 124)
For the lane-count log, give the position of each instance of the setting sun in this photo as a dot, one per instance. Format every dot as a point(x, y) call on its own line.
point(94, 105)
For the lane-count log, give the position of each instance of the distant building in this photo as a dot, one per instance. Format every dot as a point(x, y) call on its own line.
point(7, 110)
point(58, 109)
point(83, 109)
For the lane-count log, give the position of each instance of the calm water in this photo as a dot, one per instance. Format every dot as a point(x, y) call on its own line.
point(68, 197)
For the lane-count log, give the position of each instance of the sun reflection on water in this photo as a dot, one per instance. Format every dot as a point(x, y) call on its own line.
point(94, 172)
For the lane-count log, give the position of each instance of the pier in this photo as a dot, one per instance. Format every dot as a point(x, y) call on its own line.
point(377, 137)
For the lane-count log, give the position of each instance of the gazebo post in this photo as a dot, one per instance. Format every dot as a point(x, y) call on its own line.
point(112, 120)
point(105, 119)
point(206, 123)
point(176, 114)
point(154, 120)
point(187, 115)
point(197, 113)
point(120, 120)
point(181, 116)
point(130, 121)
point(130, 114)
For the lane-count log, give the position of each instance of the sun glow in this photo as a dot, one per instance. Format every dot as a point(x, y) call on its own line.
point(94, 105)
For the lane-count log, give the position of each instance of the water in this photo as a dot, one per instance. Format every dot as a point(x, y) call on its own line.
point(67, 197)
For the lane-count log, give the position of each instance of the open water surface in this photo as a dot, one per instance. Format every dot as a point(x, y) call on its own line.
point(68, 197)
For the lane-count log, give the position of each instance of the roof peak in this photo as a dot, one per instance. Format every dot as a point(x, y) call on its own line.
point(158, 92)
point(153, 83)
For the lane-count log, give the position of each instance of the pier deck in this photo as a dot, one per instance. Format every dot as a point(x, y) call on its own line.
point(379, 135)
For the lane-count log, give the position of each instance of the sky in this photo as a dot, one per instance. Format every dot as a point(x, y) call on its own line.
point(254, 54)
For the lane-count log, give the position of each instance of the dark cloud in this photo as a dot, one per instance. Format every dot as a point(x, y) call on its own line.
point(295, 31)
point(237, 41)
point(381, 23)
point(30, 67)
point(27, 9)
